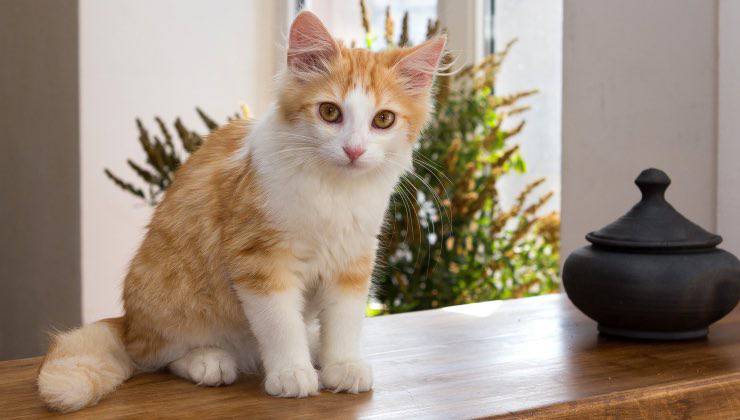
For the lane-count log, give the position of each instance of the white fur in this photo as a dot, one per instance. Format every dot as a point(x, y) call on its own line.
point(210, 366)
point(353, 376)
point(330, 211)
point(342, 367)
point(277, 321)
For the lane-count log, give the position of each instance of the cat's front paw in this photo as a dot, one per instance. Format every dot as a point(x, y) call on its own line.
point(352, 376)
point(296, 382)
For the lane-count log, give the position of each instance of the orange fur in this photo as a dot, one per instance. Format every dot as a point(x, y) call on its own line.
point(208, 231)
point(351, 68)
point(356, 279)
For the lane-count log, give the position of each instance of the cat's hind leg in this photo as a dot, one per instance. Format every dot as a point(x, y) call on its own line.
point(209, 366)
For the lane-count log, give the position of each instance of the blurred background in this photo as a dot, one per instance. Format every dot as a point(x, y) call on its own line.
point(554, 108)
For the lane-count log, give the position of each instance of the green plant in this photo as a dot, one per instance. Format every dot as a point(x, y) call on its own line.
point(448, 239)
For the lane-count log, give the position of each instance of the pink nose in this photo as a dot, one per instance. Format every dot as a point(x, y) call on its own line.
point(353, 152)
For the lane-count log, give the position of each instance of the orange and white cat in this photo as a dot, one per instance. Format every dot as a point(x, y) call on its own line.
point(260, 255)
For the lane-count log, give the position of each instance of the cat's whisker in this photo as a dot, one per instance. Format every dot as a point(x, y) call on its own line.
point(431, 165)
point(418, 222)
point(433, 172)
point(290, 150)
point(408, 210)
point(435, 198)
point(294, 135)
point(436, 201)
point(412, 214)
point(289, 155)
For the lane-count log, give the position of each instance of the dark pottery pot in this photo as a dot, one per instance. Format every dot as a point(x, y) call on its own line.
point(653, 274)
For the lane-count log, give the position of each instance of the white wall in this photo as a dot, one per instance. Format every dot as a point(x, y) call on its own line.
point(142, 58)
point(728, 180)
point(639, 90)
point(535, 62)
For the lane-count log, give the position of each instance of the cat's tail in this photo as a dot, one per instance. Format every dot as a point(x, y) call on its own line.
point(83, 365)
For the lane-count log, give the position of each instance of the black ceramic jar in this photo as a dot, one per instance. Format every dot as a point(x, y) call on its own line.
point(653, 273)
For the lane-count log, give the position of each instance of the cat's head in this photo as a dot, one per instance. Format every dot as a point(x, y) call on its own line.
point(352, 110)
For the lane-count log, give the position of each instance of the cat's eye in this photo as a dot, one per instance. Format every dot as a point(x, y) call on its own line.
point(384, 119)
point(330, 112)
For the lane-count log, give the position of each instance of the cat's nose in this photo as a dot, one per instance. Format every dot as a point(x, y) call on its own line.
point(353, 152)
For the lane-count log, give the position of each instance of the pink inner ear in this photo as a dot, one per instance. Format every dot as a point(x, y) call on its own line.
point(421, 63)
point(310, 44)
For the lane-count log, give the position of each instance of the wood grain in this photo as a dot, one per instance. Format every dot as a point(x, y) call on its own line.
point(528, 358)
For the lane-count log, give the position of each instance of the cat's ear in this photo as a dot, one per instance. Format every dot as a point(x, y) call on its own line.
point(310, 45)
point(417, 66)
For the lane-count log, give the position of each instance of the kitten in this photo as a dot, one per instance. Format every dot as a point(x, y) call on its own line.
point(260, 255)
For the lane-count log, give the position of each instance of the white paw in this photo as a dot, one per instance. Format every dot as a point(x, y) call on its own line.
point(297, 382)
point(353, 377)
point(208, 366)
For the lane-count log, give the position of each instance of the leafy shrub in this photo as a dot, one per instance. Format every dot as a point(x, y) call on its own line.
point(448, 240)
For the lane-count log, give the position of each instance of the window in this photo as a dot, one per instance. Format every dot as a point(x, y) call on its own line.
point(420, 12)
point(489, 41)
point(343, 18)
point(535, 62)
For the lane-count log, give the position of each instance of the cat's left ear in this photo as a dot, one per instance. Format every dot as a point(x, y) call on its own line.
point(418, 65)
point(310, 45)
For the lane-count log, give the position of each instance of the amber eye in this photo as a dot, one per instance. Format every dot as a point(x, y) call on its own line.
point(330, 112)
point(384, 119)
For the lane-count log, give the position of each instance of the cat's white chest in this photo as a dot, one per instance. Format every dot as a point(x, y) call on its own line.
point(328, 229)
point(329, 220)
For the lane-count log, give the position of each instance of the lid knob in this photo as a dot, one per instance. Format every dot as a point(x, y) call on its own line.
point(653, 183)
point(653, 223)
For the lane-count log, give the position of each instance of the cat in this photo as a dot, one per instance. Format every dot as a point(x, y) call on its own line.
point(260, 256)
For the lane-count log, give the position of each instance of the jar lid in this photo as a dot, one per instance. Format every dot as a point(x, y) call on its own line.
point(653, 223)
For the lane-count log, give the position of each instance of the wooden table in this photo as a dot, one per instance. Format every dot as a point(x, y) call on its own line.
point(528, 358)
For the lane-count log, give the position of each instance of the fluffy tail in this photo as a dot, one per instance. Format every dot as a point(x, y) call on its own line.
point(83, 365)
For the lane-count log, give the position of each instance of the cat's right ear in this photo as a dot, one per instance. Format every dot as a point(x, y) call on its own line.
point(310, 45)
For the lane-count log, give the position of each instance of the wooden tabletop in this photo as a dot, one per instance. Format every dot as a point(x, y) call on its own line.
point(527, 358)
